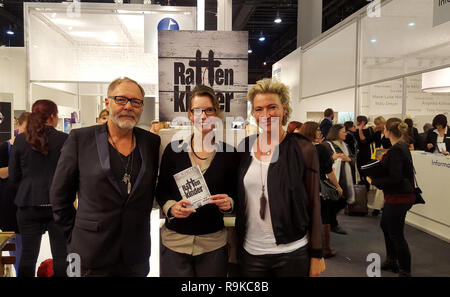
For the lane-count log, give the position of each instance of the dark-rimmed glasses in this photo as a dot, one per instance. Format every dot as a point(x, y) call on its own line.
point(208, 111)
point(122, 100)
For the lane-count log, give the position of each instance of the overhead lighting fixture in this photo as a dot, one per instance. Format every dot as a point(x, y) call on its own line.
point(261, 37)
point(250, 51)
point(373, 40)
point(436, 81)
point(10, 32)
point(411, 24)
point(265, 63)
point(277, 19)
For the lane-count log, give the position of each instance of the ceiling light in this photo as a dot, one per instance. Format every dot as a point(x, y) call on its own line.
point(411, 24)
point(250, 51)
point(373, 40)
point(261, 37)
point(10, 32)
point(265, 63)
point(436, 81)
point(277, 19)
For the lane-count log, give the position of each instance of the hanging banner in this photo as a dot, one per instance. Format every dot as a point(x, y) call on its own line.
point(441, 12)
point(218, 59)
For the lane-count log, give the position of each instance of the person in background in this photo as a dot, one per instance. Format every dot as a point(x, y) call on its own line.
point(380, 140)
point(32, 165)
point(398, 189)
point(364, 138)
point(155, 127)
point(327, 122)
point(438, 140)
point(422, 143)
point(312, 132)
point(335, 143)
point(294, 127)
point(194, 242)
point(278, 224)
point(8, 190)
point(352, 144)
point(103, 117)
point(412, 134)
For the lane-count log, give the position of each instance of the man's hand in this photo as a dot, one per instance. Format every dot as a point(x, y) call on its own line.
point(316, 267)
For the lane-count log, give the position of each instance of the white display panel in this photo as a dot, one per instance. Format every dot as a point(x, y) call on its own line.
point(402, 40)
point(341, 101)
point(422, 106)
point(287, 71)
point(330, 64)
point(381, 99)
point(13, 74)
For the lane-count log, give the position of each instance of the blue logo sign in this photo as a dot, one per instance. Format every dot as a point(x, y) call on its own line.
point(168, 24)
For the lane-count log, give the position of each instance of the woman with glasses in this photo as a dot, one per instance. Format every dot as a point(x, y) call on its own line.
point(194, 241)
point(278, 221)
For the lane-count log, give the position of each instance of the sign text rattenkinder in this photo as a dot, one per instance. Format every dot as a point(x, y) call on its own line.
point(218, 59)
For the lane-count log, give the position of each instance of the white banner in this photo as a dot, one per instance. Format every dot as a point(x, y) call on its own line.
point(218, 59)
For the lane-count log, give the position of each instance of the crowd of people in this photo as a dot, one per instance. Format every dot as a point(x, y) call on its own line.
point(271, 182)
point(345, 149)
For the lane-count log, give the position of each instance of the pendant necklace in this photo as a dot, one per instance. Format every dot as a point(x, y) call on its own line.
point(263, 199)
point(126, 176)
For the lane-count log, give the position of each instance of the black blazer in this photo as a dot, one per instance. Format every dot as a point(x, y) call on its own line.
point(325, 126)
point(432, 138)
point(293, 188)
point(33, 172)
point(107, 225)
point(220, 178)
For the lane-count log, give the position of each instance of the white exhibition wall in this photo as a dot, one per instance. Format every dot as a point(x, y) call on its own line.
point(393, 50)
point(13, 75)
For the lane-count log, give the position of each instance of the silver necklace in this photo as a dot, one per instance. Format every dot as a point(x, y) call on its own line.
point(126, 176)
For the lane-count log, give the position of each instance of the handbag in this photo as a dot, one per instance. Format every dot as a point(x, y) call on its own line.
point(417, 190)
point(328, 190)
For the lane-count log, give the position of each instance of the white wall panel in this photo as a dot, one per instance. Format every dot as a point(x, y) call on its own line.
point(13, 74)
point(330, 64)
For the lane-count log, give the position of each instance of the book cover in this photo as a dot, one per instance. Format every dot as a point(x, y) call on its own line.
point(192, 187)
point(374, 169)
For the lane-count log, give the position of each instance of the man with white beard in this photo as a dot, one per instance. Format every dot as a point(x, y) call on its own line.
point(113, 167)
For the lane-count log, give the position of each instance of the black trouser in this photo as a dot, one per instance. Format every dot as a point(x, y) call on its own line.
point(210, 264)
point(361, 162)
point(336, 207)
point(118, 270)
point(294, 264)
point(33, 222)
point(392, 224)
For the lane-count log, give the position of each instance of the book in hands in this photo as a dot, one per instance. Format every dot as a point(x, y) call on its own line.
point(192, 187)
point(374, 169)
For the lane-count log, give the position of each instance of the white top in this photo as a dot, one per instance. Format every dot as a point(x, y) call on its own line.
point(440, 141)
point(260, 239)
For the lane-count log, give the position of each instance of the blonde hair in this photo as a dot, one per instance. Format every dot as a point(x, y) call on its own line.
point(272, 86)
point(397, 127)
point(379, 120)
point(123, 79)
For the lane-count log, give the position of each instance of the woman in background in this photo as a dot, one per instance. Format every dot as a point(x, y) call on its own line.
point(438, 140)
point(294, 127)
point(8, 210)
point(381, 141)
point(103, 117)
point(312, 132)
point(413, 134)
point(31, 167)
point(398, 189)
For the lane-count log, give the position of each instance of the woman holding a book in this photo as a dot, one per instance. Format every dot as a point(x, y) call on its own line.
point(278, 221)
point(397, 182)
point(194, 241)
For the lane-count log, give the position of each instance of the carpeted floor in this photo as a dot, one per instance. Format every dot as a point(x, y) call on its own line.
point(430, 256)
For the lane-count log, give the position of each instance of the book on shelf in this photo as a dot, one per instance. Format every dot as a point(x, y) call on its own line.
point(192, 187)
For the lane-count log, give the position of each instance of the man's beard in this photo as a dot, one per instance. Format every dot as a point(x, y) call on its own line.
point(127, 123)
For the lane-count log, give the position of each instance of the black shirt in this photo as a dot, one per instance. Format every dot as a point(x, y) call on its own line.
point(325, 160)
point(364, 152)
point(119, 162)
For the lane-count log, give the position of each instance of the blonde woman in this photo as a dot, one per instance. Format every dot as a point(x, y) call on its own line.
point(278, 222)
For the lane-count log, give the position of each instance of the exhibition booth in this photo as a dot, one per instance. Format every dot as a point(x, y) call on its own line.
point(375, 63)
